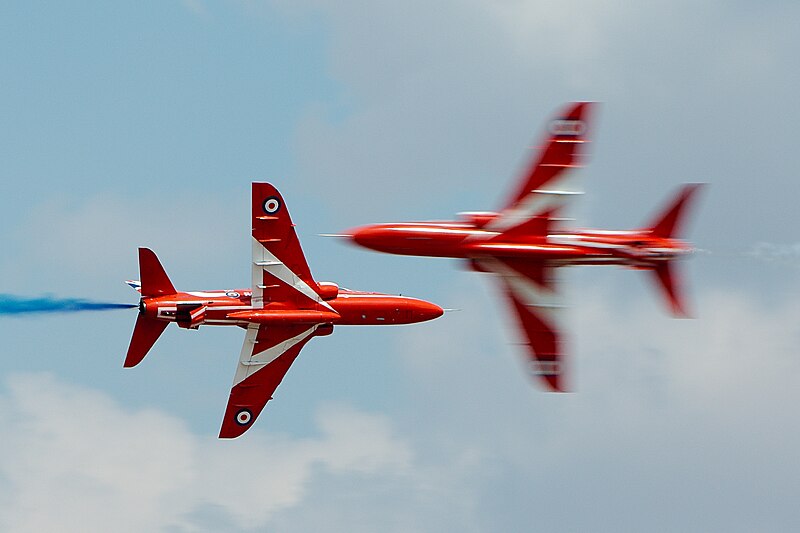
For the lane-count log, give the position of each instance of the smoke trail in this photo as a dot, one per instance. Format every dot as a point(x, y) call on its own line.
point(16, 305)
point(783, 253)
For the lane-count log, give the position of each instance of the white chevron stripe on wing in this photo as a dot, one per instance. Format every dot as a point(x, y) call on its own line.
point(266, 261)
point(550, 197)
point(249, 364)
point(548, 302)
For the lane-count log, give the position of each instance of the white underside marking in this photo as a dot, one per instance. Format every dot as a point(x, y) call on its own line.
point(442, 228)
point(576, 240)
point(250, 364)
point(208, 294)
point(548, 303)
point(230, 308)
point(376, 296)
point(553, 195)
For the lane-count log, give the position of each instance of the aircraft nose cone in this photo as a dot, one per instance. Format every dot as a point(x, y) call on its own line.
point(424, 311)
point(366, 236)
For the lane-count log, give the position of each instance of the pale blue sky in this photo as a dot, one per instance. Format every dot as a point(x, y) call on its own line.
point(143, 124)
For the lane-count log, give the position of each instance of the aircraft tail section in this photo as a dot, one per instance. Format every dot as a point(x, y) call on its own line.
point(153, 282)
point(145, 334)
point(153, 279)
point(668, 281)
point(669, 223)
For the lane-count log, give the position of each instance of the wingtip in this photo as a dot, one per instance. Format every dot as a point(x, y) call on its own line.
point(554, 383)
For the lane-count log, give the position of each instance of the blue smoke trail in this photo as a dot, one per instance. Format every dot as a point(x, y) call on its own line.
point(15, 305)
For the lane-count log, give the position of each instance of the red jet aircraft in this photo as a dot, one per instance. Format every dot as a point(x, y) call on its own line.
point(284, 309)
point(526, 241)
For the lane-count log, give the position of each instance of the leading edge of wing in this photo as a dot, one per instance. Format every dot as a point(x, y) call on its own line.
point(546, 182)
point(280, 271)
point(562, 147)
point(530, 288)
point(267, 354)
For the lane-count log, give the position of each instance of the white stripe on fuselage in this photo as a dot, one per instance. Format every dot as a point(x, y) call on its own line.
point(375, 296)
point(469, 231)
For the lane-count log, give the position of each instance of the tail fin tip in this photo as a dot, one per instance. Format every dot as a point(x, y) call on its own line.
point(671, 287)
point(669, 223)
point(154, 280)
point(145, 334)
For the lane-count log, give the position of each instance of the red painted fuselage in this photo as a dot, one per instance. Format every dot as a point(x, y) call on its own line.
point(526, 242)
point(233, 308)
point(464, 240)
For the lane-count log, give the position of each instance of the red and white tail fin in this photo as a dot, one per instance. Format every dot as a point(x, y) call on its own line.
point(153, 278)
point(279, 270)
point(668, 280)
point(670, 222)
point(145, 334)
point(667, 225)
point(154, 282)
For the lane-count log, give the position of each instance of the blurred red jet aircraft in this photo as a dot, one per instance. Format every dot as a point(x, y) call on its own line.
point(526, 241)
point(282, 311)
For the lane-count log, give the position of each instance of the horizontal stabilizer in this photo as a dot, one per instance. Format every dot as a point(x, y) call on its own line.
point(669, 283)
point(145, 334)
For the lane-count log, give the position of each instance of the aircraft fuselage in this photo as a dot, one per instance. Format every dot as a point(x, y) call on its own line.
point(637, 248)
point(233, 307)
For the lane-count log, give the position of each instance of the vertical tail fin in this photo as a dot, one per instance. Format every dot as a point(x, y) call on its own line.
point(670, 221)
point(155, 281)
point(669, 224)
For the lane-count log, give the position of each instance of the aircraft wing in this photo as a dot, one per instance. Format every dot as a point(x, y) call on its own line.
point(546, 186)
point(280, 272)
point(531, 289)
point(266, 356)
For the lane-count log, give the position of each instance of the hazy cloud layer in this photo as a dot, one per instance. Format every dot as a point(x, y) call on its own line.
point(689, 415)
point(74, 460)
point(441, 102)
point(675, 425)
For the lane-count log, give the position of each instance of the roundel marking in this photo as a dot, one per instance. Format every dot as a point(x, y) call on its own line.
point(567, 127)
point(244, 417)
point(545, 368)
point(271, 205)
point(232, 294)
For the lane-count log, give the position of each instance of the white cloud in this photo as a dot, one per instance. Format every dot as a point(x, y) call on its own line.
point(674, 425)
point(440, 101)
point(73, 460)
point(196, 7)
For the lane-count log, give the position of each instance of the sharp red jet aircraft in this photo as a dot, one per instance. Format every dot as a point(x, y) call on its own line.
point(282, 311)
point(526, 241)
